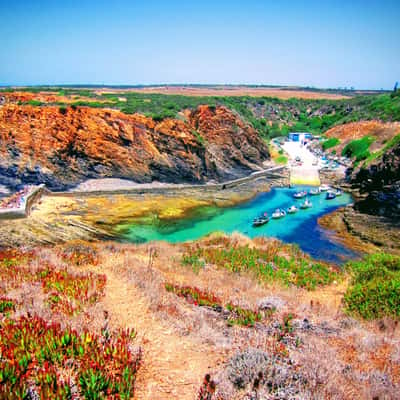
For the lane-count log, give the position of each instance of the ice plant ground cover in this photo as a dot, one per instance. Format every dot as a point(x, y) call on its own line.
point(44, 359)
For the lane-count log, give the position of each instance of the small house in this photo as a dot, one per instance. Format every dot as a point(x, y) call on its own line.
point(300, 137)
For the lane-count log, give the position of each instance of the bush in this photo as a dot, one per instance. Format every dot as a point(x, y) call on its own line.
point(281, 160)
point(375, 287)
point(358, 148)
point(331, 142)
point(35, 103)
point(62, 110)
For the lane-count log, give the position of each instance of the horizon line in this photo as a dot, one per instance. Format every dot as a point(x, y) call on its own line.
point(149, 85)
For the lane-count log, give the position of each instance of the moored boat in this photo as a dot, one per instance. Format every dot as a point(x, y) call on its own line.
point(259, 221)
point(300, 195)
point(315, 192)
point(306, 204)
point(330, 195)
point(338, 192)
point(279, 213)
point(292, 210)
point(324, 188)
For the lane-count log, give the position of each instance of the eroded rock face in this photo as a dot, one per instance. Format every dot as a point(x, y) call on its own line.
point(380, 183)
point(61, 147)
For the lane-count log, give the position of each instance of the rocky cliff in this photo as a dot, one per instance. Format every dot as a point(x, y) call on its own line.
point(63, 146)
point(379, 184)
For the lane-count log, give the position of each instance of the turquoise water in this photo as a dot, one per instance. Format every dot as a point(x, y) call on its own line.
point(301, 228)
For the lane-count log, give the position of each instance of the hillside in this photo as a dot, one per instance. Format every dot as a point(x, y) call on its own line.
point(379, 180)
point(61, 146)
point(381, 133)
point(222, 318)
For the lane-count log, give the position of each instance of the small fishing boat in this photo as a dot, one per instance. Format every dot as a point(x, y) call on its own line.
point(300, 195)
point(259, 221)
point(292, 209)
point(315, 192)
point(306, 204)
point(324, 188)
point(330, 195)
point(338, 192)
point(279, 213)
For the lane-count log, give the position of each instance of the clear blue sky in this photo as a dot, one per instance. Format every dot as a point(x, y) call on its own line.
point(316, 43)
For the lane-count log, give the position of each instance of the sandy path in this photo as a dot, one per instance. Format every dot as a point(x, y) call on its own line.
point(173, 366)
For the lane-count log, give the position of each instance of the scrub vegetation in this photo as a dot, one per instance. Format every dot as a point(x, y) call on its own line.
point(329, 143)
point(359, 148)
point(375, 287)
point(272, 261)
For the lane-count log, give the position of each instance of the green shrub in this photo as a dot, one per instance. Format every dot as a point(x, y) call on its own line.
point(331, 142)
point(281, 160)
point(358, 148)
point(375, 287)
point(62, 110)
point(35, 103)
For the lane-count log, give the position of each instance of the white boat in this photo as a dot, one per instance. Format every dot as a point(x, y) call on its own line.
point(324, 188)
point(300, 195)
point(278, 213)
point(292, 210)
point(306, 204)
point(315, 192)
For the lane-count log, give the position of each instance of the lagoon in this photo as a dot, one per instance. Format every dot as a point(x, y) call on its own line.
point(301, 228)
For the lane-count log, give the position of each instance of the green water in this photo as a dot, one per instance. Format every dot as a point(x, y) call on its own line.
point(300, 228)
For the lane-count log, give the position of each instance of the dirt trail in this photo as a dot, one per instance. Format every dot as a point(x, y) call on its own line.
point(173, 366)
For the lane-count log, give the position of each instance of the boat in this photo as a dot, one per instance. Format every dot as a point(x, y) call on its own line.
point(300, 195)
point(259, 221)
point(306, 204)
point(338, 192)
point(279, 213)
point(324, 188)
point(292, 209)
point(315, 192)
point(330, 195)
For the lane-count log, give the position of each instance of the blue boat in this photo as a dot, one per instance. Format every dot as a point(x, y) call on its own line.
point(330, 196)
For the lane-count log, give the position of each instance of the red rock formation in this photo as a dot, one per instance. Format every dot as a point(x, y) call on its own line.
point(63, 147)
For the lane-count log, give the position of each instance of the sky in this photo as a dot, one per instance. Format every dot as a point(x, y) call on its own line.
point(307, 43)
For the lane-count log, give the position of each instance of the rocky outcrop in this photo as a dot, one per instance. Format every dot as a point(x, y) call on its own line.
point(63, 146)
point(379, 184)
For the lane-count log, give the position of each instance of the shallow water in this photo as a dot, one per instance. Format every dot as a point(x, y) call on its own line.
point(300, 228)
